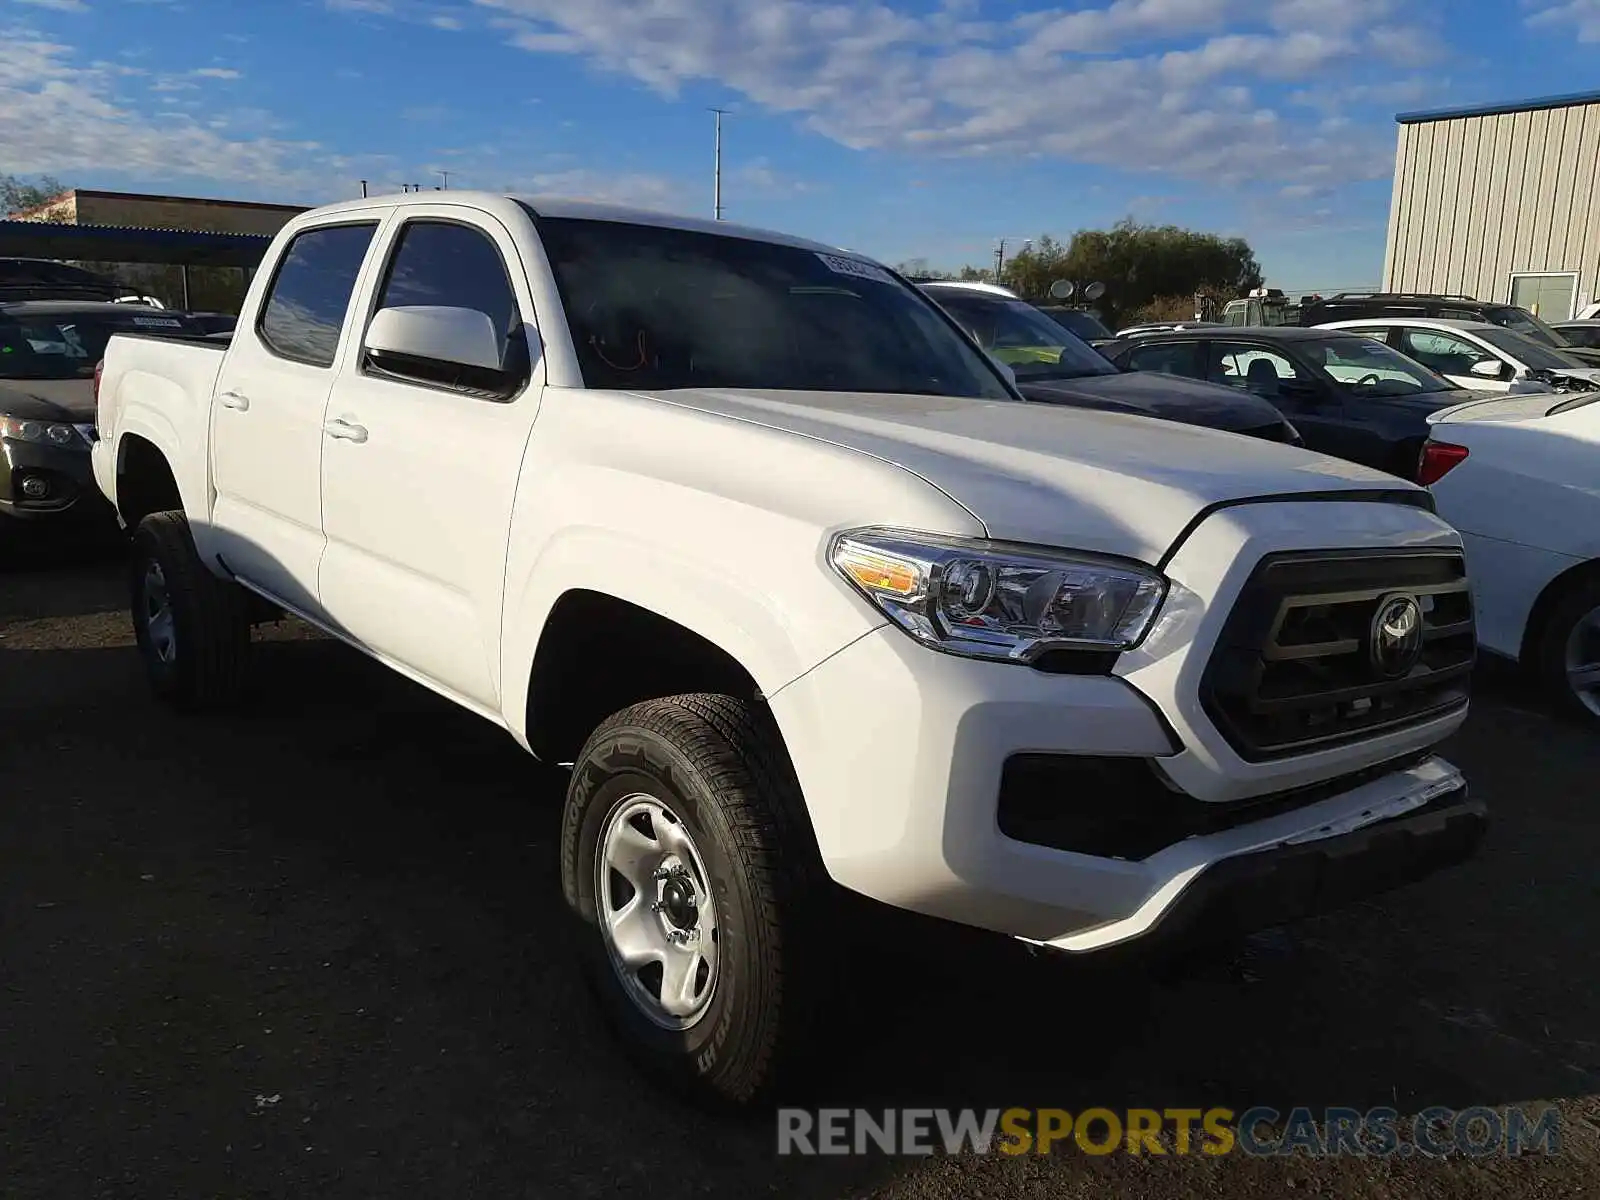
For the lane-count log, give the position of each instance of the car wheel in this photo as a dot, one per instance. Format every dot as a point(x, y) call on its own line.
point(691, 870)
point(192, 628)
point(1569, 651)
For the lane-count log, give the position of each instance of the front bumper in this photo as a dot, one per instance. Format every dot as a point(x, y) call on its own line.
point(65, 474)
point(1283, 883)
point(906, 759)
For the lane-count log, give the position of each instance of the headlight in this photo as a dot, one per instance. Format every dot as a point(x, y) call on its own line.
point(46, 433)
point(995, 600)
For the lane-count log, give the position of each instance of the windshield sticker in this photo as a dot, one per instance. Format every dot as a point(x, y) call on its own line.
point(840, 265)
point(157, 323)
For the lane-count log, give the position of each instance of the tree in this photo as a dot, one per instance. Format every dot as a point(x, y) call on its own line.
point(18, 195)
point(1143, 268)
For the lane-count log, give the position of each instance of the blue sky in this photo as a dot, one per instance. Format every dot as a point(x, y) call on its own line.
point(903, 128)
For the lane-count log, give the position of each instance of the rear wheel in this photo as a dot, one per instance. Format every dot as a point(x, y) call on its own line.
point(1568, 654)
point(693, 877)
point(192, 628)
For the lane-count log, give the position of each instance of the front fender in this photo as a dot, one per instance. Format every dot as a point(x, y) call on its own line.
point(771, 631)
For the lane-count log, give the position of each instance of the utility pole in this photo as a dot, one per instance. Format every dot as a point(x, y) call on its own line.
point(1000, 255)
point(716, 177)
point(363, 189)
point(444, 180)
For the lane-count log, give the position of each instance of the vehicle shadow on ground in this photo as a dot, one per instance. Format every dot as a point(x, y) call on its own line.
point(319, 944)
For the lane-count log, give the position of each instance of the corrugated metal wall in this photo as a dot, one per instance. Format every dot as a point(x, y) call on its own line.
point(1478, 198)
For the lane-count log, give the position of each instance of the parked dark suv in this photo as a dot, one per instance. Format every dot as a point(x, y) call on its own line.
point(1356, 306)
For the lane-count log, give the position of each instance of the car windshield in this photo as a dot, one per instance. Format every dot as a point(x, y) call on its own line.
point(1022, 337)
point(67, 345)
point(1366, 367)
point(1520, 320)
point(1533, 354)
point(1075, 320)
point(652, 309)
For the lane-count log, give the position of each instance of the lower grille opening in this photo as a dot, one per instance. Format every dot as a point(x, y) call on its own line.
point(1120, 808)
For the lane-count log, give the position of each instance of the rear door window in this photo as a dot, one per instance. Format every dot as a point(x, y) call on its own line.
point(1168, 358)
point(310, 295)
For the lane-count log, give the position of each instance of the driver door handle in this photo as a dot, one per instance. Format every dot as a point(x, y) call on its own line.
point(234, 400)
point(345, 431)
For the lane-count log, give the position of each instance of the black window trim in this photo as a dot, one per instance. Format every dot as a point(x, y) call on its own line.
point(376, 223)
point(391, 252)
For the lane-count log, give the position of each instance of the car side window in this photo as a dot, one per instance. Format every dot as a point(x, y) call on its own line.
point(1584, 337)
point(1169, 358)
point(310, 294)
point(1443, 352)
point(1254, 368)
point(458, 266)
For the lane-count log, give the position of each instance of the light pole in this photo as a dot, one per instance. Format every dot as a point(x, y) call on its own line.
point(716, 169)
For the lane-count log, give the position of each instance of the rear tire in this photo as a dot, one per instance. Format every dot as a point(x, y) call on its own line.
point(684, 819)
point(1568, 644)
point(192, 628)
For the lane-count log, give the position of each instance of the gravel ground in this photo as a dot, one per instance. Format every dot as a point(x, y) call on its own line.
point(314, 950)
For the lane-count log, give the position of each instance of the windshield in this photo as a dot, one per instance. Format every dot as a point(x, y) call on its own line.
point(1075, 320)
point(652, 309)
point(1535, 355)
point(68, 345)
point(1520, 320)
point(1023, 338)
point(1364, 367)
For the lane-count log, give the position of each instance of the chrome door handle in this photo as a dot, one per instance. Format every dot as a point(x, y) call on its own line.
point(345, 431)
point(235, 400)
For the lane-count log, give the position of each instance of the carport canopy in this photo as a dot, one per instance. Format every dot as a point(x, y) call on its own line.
point(116, 243)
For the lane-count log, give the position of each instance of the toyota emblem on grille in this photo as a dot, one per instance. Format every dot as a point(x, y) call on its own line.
point(1395, 643)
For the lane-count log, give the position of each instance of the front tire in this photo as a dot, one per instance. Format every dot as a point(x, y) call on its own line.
point(692, 873)
point(1568, 652)
point(192, 628)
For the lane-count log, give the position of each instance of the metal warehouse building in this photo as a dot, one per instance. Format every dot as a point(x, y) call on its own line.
point(1500, 203)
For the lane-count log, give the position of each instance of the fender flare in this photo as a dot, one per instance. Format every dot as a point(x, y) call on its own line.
point(746, 622)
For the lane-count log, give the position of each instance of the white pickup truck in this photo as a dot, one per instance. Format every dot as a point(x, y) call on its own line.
point(745, 530)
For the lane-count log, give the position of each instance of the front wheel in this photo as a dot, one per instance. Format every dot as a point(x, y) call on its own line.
point(691, 871)
point(1569, 651)
point(192, 628)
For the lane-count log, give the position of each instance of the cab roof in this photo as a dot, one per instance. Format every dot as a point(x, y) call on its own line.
point(506, 206)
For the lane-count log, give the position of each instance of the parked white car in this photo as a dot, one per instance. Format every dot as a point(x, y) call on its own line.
point(1476, 354)
point(1517, 476)
point(745, 530)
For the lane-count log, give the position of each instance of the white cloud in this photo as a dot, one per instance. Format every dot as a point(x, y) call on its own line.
point(75, 6)
point(1164, 85)
point(66, 119)
point(1581, 17)
point(445, 22)
point(219, 73)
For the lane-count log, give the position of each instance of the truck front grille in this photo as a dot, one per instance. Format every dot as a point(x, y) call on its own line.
point(1319, 652)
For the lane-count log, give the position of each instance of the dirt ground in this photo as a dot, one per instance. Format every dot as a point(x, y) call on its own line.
point(315, 951)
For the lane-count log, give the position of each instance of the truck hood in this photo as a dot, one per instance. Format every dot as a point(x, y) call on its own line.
point(1048, 475)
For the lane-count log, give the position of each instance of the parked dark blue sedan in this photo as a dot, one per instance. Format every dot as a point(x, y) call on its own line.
point(1349, 396)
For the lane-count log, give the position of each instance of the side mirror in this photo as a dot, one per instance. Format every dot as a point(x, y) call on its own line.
point(451, 347)
point(459, 337)
point(1487, 368)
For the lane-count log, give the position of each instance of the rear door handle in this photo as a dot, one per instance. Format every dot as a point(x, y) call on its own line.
point(235, 400)
point(345, 431)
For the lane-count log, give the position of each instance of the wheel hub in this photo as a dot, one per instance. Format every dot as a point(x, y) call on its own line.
point(656, 915)
point(680, 902)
